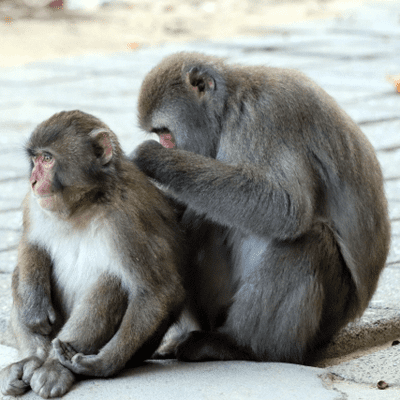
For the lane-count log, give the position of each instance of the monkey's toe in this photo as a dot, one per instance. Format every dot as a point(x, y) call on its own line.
point(193, 347)
point(31, 364)
point(52, 380)
point(11, 382)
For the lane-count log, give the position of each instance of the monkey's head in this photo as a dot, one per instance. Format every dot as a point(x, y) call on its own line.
point(71, 155)
point(184, 97)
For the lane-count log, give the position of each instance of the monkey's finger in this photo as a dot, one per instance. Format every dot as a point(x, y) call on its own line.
point(39, 323)
point(67, 363)
point(51, 315)
point(63, 350)
point(59, 348)
point(16, 388)
point(57, 344)
point(44, 328)
point(82, 364)
point(69, 350)
point(64, 360)
point(145, 145)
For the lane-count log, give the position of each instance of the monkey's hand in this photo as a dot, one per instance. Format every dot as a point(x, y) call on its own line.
point(145, 157)
point(36, 311)
point(76, 362)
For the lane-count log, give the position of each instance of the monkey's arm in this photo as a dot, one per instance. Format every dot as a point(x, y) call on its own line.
point(31, 288)
point(276, 201)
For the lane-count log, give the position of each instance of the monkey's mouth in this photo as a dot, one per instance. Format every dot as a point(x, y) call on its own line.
point(46, 201)
point(167, 140)
point(41, 199)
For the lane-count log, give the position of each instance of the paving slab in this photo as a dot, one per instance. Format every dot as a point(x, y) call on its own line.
point(382, 365)
point(349, 390)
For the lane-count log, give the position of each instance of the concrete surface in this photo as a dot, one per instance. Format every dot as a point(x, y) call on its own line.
point(171, 380)
point(350, 58)
point(383, 365)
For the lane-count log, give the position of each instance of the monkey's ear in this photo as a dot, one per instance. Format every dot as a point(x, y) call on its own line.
point(103, 144)
point(201, 81)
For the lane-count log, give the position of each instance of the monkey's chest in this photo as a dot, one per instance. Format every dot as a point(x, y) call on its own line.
point(79, 258)
point(78, 263)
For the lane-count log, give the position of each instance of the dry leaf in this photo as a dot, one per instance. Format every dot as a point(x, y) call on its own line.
point(395, 80)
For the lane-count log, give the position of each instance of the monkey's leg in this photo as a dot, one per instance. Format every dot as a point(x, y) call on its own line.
point(144, 324)
point(211, 346)
point(34, 348)
point(93, 321)
point(286, 307)
point(96, 317)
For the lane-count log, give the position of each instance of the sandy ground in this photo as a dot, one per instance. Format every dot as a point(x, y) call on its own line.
point(30, 30)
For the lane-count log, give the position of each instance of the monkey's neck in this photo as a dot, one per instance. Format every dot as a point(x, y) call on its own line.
point(79, 207)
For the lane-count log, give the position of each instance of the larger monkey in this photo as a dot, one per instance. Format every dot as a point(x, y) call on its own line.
point(99, 259)
point(286, 213)
point(285, 202)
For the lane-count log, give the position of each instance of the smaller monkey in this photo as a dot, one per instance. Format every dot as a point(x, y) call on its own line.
point(99, 260)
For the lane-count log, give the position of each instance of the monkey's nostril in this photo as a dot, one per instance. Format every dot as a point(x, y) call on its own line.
point(33, 184)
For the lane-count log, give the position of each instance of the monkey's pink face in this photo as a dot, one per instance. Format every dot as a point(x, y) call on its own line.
point(167, 140)
point(41, 179)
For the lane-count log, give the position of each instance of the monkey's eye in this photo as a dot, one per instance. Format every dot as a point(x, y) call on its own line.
point(47, 157)
point(160, 131)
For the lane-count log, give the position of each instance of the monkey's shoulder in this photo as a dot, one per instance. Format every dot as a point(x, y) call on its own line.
point(140, 199)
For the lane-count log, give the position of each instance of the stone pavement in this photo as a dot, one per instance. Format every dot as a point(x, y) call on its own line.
point(350, 58)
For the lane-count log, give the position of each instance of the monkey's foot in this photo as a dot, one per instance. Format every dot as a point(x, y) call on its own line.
point(52, 379)
point(167, 350)
point(161, 355)
point(15, 379)
point(211, 346)
point(77, 362)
